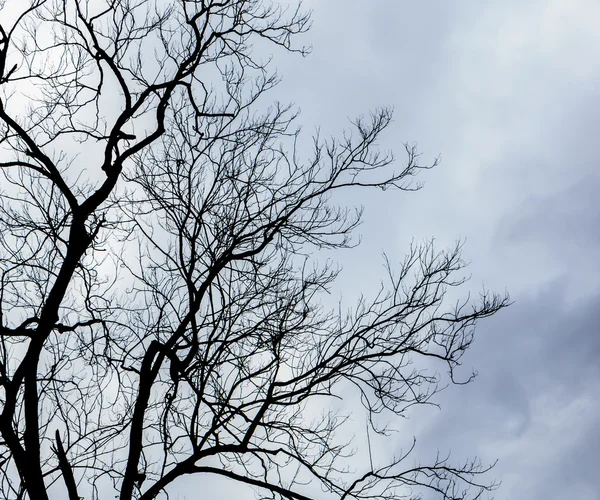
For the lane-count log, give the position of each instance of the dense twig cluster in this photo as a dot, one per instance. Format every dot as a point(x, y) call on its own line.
point(161, 302)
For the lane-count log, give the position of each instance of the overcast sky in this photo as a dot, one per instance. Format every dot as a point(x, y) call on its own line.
point(508, 93)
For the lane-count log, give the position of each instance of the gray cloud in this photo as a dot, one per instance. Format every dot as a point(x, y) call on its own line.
point(535, 403)
point(507, 93)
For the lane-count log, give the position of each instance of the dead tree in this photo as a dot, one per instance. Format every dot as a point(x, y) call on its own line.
point(162, 297)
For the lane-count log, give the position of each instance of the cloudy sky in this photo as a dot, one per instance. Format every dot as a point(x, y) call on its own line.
point(508, 93)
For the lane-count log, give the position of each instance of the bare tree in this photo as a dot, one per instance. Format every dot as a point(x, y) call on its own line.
point(162, 297)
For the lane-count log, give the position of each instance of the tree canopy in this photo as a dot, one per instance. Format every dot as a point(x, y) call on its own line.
point(162, 308)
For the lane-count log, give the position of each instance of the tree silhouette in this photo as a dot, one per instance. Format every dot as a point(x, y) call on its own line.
point(162, 296)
